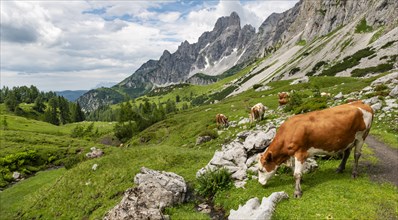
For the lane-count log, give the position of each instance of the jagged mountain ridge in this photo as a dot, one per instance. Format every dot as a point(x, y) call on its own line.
point(228, 43)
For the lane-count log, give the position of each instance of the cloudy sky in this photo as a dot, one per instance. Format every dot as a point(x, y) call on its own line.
point(73, 45)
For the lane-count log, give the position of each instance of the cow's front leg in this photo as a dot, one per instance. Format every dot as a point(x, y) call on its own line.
point(298, 172)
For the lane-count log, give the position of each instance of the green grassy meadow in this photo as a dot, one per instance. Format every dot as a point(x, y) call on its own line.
point(81, 193)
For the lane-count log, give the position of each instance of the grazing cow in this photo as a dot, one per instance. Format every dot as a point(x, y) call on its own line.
point(222, 120)
point(257, 112)
point(325, 94)
point(329, 131)
point(283, 98)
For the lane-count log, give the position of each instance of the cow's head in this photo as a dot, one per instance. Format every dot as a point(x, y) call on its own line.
point(266, 167)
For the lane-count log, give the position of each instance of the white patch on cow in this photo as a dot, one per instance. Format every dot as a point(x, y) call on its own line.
point(298, 167)
point(263, 175)
point(367, 118)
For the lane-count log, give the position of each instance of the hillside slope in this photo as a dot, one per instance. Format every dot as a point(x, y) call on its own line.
point(170, 145)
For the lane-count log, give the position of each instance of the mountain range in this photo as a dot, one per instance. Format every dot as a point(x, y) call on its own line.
point(315, 37)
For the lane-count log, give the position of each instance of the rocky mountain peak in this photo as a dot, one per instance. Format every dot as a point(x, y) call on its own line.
point(227, 21)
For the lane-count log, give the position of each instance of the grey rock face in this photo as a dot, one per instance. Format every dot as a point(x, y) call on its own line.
point(255, 210)
point(211, 47)
point(304, 79)
point(385, 79)
point(155, 191)
point(238, 157)
point(394, 92)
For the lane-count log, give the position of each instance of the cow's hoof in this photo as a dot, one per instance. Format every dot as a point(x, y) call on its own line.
point(297, 194)
point(354, 175)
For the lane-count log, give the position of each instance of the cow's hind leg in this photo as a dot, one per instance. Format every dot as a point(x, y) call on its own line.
point(298, 172)
point(357, 155)
point(346, 154)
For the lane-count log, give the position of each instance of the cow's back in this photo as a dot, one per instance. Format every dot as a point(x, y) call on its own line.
point(330, 130)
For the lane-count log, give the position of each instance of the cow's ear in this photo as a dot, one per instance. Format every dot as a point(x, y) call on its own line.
point(269, 157)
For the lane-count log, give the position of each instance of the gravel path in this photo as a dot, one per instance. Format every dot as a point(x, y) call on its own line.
point(387, 167)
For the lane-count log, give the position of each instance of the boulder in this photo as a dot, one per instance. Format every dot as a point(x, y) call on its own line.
point(304, 79)
point(339, 96)
point(94, 153)
point(16, 176)
point(394, 92)
point(385, 79)
point(156, 190)
point(376, 107)
point(259, 140)
point(256, 211)
point(372, 100)
point(203, 139)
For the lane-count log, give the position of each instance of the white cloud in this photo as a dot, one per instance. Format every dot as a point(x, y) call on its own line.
point(59, 45)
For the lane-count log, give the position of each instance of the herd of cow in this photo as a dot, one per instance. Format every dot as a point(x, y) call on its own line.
point(327, 132)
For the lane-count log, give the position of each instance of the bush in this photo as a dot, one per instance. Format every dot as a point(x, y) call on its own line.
point(374, 69)
point(213, 181)
point(124, 131)
point(295, 101)
point(212, 133)
point(256, 86)
point(362, 27)
point(348, 62)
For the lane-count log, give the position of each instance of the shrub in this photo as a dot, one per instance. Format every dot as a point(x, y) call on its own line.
point(362, 27)
point(316, 68)
point(124, 131)
point(313, 104)
point(213, 181)
point(374, 69)
point(212, 133)
point(294, 71)
point(295, 101)
point(256, 86)
point(348, 62)
point(388, 44)
point(77, 131)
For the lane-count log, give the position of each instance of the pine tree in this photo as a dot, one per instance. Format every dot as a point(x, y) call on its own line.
point(39, 105)
point(51, 113)
point(11, 101)
point(64, 113)
point(76, 113)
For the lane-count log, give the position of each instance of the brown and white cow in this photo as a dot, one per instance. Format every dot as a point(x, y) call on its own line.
point(283, 98)
point(257, 112)
point(329, 131)
point(222, 120)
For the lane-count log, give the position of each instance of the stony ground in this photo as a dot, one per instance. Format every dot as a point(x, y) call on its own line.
point(386, 168)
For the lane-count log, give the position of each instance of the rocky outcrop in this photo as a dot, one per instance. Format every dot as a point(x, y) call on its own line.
point(94, 153)
point(155, 191)
point(240, 156)
point(97, 98)
point(255, 210)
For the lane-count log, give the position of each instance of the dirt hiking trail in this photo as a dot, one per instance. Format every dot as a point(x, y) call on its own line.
point(386, 169)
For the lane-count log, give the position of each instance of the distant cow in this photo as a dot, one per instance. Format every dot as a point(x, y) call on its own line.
point(329, 131)
point(283, 98)
point(222, 120)
point(257, 112)
point(325, 94)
